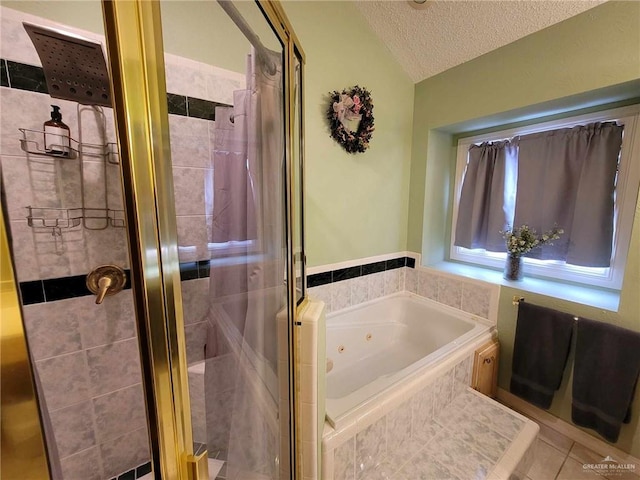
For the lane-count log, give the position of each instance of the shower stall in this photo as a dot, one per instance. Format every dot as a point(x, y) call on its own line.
point(153, 257)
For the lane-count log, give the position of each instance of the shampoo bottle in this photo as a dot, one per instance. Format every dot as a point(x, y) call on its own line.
point(56, 134)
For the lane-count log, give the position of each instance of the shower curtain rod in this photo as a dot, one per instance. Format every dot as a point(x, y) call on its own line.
point(241, 23)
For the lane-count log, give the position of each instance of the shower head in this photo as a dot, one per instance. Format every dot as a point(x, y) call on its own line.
point(74, 67)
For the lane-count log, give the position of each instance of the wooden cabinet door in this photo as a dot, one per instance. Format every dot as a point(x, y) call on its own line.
point(485, 368)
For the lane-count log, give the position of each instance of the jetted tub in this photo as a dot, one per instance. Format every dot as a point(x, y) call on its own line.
point(374, 345)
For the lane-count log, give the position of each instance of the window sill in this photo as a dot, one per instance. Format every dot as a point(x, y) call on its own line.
point(592, 296)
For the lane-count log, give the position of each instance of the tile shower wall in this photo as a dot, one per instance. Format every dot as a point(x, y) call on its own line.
point(372, 279)
point(87, 354)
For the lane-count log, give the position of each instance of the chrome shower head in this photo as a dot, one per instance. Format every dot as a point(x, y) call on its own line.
point(74, 67)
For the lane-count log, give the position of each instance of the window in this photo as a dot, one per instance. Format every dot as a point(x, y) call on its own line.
point(515, 206)
point(232, 247)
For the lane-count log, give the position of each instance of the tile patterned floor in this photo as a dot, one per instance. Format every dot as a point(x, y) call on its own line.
point(214, 468)
point(560, 458)
point(557, 456)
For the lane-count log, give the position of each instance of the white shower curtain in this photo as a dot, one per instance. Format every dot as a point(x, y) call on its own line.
point(247, 293)
point(233, 217)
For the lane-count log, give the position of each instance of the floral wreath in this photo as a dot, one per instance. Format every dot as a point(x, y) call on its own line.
point(348, 109)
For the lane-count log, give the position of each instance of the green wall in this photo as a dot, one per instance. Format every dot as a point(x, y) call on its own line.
point(593, 57)
point(202, 31)
point(356, 205)
point(86, 15)
point(194, 29)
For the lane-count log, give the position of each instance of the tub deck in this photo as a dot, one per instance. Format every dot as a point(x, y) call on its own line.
point(474, 437)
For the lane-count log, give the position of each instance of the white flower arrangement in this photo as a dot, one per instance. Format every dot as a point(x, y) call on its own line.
point(520, 241)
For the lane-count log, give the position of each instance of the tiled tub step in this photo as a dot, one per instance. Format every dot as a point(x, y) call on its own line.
point(473, 438)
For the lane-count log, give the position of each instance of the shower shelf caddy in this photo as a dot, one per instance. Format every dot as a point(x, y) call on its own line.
point(30, 144)
point(59, 219)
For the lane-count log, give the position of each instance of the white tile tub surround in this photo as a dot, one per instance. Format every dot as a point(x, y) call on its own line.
point(472, 296)
point(473, 437)
point(417, 392)
point(354, 291)
point(415, 400)
point(311, 375)
point(362, 261)
point(379, 343)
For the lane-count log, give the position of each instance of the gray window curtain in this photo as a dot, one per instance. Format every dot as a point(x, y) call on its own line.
point(566, 177)
point(484, 208)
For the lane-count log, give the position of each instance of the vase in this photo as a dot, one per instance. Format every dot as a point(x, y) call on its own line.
point(513, 268)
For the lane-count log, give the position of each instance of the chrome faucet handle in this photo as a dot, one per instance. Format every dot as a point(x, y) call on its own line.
point(106, 280)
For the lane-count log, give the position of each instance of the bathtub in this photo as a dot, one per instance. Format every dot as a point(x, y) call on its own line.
point(375, 345)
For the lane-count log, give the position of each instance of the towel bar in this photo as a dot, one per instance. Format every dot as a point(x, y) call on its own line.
point(517, 299)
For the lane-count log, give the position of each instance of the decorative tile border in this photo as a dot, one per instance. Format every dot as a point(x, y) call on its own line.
point(194, 270)
point(177, 104)
point(52, 289)
point(205, 109)
point(31, 78)
point(26, 77)
point(4, 73)
point(333, 276)
point(135, 473)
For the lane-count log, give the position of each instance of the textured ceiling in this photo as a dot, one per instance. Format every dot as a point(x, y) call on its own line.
point(444, 33)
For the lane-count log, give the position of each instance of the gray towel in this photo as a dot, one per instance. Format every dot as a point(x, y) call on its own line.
point(604, 377)
point(543, 339)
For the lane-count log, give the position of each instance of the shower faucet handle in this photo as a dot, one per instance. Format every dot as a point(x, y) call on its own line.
point(106, 280)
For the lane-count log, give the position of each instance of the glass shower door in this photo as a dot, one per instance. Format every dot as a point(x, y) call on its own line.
point(202, 342)
point(222, 183)
point(226, 125)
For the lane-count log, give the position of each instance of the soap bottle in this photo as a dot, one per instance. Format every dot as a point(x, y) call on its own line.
point(56, 134)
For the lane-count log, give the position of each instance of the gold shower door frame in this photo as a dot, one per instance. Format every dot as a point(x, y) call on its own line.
point(23, 447)
point(136, 60)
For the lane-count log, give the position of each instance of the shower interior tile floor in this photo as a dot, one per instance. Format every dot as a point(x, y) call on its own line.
point(214, 468)
point(560, 458)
